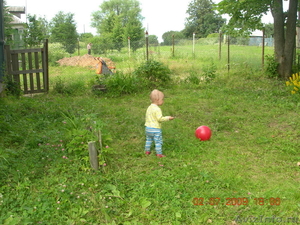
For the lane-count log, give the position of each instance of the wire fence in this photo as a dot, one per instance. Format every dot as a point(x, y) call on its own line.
point(227, 49)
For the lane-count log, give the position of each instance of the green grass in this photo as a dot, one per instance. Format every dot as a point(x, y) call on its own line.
point(252, 154)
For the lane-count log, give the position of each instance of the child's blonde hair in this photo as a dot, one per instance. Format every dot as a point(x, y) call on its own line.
point(156, 95)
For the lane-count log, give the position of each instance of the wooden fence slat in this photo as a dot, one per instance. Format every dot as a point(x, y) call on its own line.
point(15, 66)
point(30, 70)
point(30, 74)
point(38, 81)
point(24, 74)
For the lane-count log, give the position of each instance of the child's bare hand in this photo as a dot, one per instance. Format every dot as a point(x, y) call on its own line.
point(171, 118)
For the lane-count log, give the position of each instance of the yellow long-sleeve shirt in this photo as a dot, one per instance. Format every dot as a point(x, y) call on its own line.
point(154, 117)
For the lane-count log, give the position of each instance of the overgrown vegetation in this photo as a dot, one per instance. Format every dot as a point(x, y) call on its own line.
point(247, 170)
point(271, 67)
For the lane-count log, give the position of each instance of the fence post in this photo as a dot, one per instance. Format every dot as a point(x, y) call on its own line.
point(129, 47)
point(46, 65)
point(173, 43)
point(220, 44)
point(194, 45)
point(78, 46)
point(228, 53)
point(147, 45)
point(263, 48)
point(93, 153)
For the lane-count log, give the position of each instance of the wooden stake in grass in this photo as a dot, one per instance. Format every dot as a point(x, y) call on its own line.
point(93, 155)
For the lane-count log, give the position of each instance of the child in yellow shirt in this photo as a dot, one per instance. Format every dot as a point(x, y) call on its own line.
point(154, 119)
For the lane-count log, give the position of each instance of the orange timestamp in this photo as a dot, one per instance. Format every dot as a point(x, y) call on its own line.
point(237, 201)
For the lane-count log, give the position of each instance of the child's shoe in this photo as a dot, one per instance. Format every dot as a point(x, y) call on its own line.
point(160, 155)
point(147, 152)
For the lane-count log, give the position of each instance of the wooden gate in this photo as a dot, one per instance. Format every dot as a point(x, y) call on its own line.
point(28, 68)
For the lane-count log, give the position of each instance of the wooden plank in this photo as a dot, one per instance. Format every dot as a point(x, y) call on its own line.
point(93, 153)
point(26, 71)
point(35, 91)
point(45, 65)
point(30, 74)
point(17, 51)
point(25, 84)
point(38, 80)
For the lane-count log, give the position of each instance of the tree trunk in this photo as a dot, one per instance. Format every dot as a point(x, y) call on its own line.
point(284, 40)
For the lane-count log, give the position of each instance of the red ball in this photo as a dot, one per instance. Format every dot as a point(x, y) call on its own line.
point(203, 133)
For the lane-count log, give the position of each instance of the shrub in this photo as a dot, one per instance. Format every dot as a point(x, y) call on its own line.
point(120, 83)
point(13, 88)
point(154, 74)
point(271, 67)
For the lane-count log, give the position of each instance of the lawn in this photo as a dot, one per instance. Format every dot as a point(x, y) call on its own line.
point(246, 173)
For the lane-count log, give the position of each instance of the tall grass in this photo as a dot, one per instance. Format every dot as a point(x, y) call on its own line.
point(246, 172)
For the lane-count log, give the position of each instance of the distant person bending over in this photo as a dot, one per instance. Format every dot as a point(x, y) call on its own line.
point(89, 48)
point(154, 119)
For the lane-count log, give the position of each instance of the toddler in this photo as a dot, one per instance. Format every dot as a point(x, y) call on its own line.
point(154, 119)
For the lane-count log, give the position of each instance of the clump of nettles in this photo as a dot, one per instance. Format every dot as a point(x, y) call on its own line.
point(154, 74)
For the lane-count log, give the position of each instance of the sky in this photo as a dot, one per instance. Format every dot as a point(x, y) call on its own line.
point(160, 16)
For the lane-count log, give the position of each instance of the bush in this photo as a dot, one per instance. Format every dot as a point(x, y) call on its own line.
point(13, 88)
point(120, 83)
point(154, 74)
point(271, 67)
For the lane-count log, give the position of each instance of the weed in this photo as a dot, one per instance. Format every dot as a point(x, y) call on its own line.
point(120, 84)
point(209, 72)
point(154, 74)
point(193, 78)
point(13, 88)
point(271, 67)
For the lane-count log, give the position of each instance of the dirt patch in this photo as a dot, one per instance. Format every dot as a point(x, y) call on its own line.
point(84, 61)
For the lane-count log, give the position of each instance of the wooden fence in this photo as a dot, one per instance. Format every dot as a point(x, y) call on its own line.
point(28, 68)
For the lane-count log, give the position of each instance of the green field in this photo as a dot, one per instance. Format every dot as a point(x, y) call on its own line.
point(246, 173)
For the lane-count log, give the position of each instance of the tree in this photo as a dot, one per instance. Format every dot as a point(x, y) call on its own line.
point(35, 32)
point(269, 30)
point(246, 15)
point(63, 30)
point(8, 18)
point(118, 20)
point(153, 40)
point(202, 19)
point(168, 37)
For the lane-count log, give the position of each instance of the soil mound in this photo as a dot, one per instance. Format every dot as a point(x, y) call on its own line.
point(84, 61)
